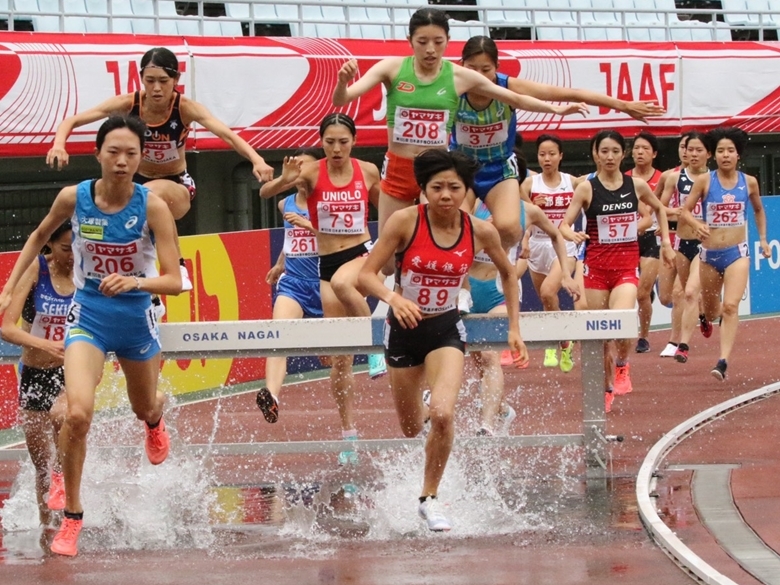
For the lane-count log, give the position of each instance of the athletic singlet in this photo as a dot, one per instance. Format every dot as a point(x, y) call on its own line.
point(558, 200)
point(611, 226)
point(339, 210)
point(725, 207)
point(300, 246)
point(162, 141)
point(482, 212)
point(432, 276)
point(422, 114)
point(487, 135)
point(45, 309)
point(106, 243)
point(683, 189)
point(652, 183)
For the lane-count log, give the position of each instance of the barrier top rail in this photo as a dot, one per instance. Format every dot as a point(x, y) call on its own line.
point(354, 13)
point(222, 339)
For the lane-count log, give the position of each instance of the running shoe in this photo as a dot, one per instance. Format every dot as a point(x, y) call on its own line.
point(432, 512)
point(567, 362)
point(719, 371)
point(186, 283)
point(349, 455)
point(464, 301)
point(669, 350)
point(158, 443)
point(268, 405)
point(158, 307)
point(66, 541)
point(505, 418)
point(56, 491)
point(426, 398)
point(622, 383)
point(609, 397)
point(484, 432)
point(681, 354)
point(376, 365)
point(506, 358)
point(705, 326)
point(642, 345)
point(550, 358)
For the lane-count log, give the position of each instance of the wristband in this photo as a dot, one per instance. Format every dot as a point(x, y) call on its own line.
point(137, 283)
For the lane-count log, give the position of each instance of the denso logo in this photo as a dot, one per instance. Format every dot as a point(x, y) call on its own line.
point(618, 206)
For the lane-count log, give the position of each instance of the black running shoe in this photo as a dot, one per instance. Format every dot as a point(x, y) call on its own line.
point(268, 405)
point(719, 371)
point(642, 345)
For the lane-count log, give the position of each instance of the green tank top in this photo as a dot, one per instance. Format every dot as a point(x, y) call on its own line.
point(422, 114)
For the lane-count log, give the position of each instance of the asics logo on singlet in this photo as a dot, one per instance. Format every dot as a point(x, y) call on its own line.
point(131, 222)
point(618, 206)
point(442, 91)
point(405, 86)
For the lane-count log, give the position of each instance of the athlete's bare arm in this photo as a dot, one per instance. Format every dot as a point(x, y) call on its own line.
point(284, 183)
point(701, 185)
point(754, 194)
point(539, 218)
point(525, 189)
point(383, 72)
point(583, 195)
point(647, 197)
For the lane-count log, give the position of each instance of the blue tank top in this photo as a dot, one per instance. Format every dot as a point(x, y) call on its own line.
point(300, 246)
point(106, 243)
point(45, 309)
point(487, 135)
point(725, 207)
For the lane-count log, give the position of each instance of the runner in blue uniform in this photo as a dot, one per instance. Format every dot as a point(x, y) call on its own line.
point(723, 196)
point(118, 226)
point(41, 300)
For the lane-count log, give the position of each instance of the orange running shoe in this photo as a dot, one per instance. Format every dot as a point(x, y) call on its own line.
point(609, 396)
point(622, 380)
point(66, 541)
point(506, 358)
point(56, 491)
point(158, 442)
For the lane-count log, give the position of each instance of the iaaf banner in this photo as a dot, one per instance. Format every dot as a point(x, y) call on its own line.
point(275, 91)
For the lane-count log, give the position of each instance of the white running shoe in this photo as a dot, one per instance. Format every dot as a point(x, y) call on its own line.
point(432, 512)
point(427, 398)
point(506, 418)
point(464, 301)
point(186, 283)
point(159, 308)
point(669, 350)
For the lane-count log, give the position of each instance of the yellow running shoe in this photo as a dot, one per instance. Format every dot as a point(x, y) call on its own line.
point(551, 357)
point(567, 362)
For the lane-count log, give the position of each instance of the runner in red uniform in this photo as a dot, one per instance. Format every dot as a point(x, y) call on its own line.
point(425, 339)
point(338, 189)
point(644, 151)
point(611, 202)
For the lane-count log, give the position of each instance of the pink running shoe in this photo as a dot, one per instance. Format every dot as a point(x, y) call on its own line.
point(622, 380)
point(56, 491)
point(66, 541)
point(158, 442)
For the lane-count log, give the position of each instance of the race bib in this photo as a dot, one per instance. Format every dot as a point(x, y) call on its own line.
point(433, 294)
point(726, 214)
point(341, 217)
point(299, 243)
point(478, 136)
point(420, 127)
point(51, 327)
point(161, 152)
point(100, 260)
point(618, 228)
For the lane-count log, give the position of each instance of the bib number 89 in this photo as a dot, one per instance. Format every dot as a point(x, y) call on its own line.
point(424, 298)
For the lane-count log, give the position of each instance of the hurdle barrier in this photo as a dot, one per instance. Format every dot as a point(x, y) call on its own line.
point(355, 335)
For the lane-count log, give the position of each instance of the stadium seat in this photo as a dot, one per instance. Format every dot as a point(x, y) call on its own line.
point(463, 31)
point(499, 15)
point(742, 19)
point(556, 33)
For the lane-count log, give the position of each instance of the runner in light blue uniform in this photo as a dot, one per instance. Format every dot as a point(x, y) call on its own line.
point(113, 250)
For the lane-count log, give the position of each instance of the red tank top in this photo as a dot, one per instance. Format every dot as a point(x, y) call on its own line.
point(430, 275)
point(339, 210)
point(652, 181)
